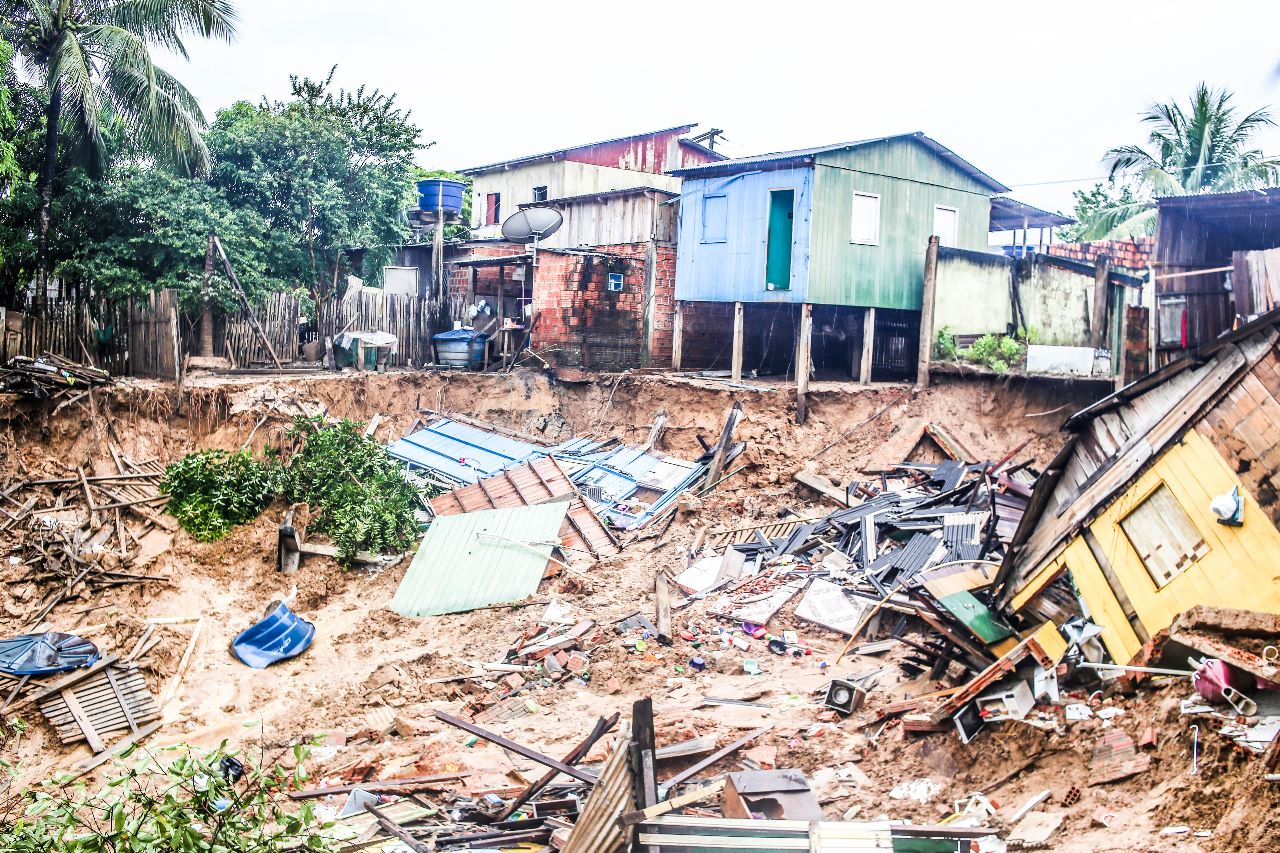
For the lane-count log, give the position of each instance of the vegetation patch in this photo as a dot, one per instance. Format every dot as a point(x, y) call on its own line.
point(359, 494)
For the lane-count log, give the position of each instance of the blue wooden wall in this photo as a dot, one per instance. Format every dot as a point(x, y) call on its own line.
point(721, 245)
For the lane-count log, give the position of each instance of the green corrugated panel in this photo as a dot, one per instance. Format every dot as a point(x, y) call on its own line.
point(910, 179)
point(479, 558)
point(976, 617)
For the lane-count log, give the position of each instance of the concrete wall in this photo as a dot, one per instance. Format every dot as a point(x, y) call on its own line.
point(972, 292)
point(1057, 302)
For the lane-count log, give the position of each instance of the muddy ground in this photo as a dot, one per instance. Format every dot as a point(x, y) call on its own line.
point(369, 669)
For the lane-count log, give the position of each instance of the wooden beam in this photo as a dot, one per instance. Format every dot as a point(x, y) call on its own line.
point(868, 339)
point(677, 336)
point(926, 313)
point(804, 348)
point(253, 318)
point(1098, 321)
point(822, 486)
point(662, 595)
point(391, 827)
point(735, 367)
point(689, 798)
point(712, 759)
point(518, 749)
point(603, 727)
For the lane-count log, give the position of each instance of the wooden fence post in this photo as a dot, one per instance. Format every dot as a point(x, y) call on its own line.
point(1098, 322)
point(803, 360)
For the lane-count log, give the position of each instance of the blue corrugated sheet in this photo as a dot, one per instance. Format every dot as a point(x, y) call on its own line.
point(280, 635)
point(624, 471)
point(467, 454)
point(479, 558)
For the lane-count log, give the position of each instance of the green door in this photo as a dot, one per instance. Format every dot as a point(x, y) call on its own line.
point(777, 263)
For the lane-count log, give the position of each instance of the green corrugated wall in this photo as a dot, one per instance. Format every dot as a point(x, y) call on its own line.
point(910, 179)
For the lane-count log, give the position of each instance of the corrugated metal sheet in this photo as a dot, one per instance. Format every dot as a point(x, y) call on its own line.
point(910, 180)
point(538, 481)
point(734, 270)
point(624, 152)
point(616, 218)
point(462, 452)
point(479, 558)
point(935, 148)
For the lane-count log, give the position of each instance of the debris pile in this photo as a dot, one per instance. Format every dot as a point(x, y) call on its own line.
point(50, 377)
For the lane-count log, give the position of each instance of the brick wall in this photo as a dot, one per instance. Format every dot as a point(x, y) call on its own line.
point(589, 325)
point(1132, 254)
point(1245, 427)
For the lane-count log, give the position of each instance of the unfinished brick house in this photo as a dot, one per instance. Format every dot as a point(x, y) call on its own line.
point(602, 293)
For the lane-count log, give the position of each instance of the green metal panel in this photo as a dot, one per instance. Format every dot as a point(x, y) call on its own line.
point(479, 558)
point(782, 205)
point(910, 180)
point(976, 617)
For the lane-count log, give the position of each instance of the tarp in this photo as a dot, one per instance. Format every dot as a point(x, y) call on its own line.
point(280, 635)
point(479, 558)
point(42, 654)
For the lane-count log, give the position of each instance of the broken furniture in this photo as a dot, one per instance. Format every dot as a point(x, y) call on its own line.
point(770, 794)
point(290, 548)
point(87, 705)
point(282, 634)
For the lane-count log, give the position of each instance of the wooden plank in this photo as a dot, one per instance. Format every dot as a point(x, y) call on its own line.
point(82, 720)
point(822, 486)
point(735, 367)
point(662, 596)
point(697, 768)
point(677, 333)
point(685, 799)
point(518, 749)
point(804, 363)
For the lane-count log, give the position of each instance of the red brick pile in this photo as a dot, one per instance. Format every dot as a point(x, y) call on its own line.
point(1133, 254)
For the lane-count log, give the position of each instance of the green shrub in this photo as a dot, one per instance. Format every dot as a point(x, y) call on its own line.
point(211, 491)
point(944, 348)
point(173, 798)
point(997, 352)
point(363, 500)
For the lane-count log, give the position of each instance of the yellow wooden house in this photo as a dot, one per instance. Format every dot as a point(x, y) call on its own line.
point(1120, 527)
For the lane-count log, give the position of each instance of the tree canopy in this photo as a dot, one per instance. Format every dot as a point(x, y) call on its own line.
point(1204, 146)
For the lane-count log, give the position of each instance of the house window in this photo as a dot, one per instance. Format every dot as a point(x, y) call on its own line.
point(1164, 536)
point(493, 208)
point(946, 225)
point(865, 227)
point(539, 193)
point(715, 219)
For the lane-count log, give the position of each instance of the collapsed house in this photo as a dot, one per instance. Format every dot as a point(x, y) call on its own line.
point(1162, 498)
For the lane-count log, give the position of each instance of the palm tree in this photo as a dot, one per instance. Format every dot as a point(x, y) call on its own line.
point(92, 59)
point(1203, 148)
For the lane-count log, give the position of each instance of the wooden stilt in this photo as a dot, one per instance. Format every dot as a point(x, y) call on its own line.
point(735, 370)
point(677, 336)
point(803, 362)
point(926, 313)
point(868, 339)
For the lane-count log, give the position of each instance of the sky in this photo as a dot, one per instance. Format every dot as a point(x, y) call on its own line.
point(1031, 94)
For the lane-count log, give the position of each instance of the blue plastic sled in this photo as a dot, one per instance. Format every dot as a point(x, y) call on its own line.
point(280, 635)
point(42, 654)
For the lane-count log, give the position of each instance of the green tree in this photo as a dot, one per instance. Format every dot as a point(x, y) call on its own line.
point(328, 168)
point(93, 61)
point(8, 123)
point(1091, 203)
point(1204, 147)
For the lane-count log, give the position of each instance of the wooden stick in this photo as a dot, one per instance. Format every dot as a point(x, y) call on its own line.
point(713, 758)
point(171, 691)
point(531, 754)
point(865, 619)
point(632, 818)
point(389, 825)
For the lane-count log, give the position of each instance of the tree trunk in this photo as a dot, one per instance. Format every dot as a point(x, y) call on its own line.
point(206, 313)
point(47, 173)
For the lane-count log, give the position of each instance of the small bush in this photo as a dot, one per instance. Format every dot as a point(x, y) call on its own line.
point(212, 491)
point(996, 352)
point(174, 798)
point(944, 348)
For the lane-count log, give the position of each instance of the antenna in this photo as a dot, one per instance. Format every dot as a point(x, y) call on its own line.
point(530, 226)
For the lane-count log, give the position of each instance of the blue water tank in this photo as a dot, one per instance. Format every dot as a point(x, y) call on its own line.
point(440, 194)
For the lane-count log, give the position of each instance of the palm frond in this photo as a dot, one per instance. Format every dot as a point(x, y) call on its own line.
point(166, 116)
point(71, 72)
point(165, 22)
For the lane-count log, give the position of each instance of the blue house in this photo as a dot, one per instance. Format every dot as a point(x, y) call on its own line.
point(831, 239)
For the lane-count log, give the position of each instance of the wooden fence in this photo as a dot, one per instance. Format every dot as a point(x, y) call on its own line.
point(68, 328)
point(148, 336)
point(154, 346)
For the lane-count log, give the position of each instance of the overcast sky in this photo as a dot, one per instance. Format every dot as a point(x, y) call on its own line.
point(1033, 94)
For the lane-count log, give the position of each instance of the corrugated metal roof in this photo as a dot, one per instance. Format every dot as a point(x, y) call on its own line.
point(462, 452)
point(573, 199)
point(547, 155)
point(740, 163)
point(479, 558)
point(1009, 214)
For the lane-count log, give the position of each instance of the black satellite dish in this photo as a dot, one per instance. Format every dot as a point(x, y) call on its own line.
point(529, 226)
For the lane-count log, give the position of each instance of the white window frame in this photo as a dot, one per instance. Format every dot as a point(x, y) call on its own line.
point(855, 238)
point(1164, 541)
point(955, 241)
